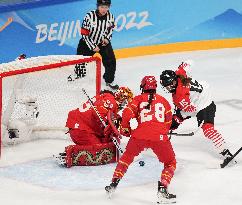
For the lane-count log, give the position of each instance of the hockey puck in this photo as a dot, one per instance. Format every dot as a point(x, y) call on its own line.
point(141, 163)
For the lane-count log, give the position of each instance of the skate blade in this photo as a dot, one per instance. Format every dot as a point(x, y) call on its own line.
point(167, 201)
point(109, 193)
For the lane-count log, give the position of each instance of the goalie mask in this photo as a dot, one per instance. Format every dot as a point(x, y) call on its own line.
point(148, 83)
point(168, 79)
point(123, 96)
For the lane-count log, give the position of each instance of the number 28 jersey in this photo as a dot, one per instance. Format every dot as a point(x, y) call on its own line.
point(194, 96)
point(153, 123)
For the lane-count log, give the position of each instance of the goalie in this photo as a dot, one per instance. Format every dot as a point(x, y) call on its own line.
point(93, 141)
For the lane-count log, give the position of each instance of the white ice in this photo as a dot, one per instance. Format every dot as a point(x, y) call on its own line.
point(28, 176)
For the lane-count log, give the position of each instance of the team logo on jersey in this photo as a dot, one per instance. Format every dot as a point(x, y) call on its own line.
point(80, 72)
point(76, 125)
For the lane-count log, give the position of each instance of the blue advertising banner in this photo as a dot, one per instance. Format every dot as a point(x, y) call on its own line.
point(46, 29)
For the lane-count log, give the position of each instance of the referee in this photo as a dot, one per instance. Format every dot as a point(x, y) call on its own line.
point(97, 28)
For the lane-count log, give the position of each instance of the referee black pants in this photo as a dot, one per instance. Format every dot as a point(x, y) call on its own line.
point(108, 58)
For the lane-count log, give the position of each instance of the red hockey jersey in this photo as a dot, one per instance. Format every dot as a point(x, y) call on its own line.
point(85, 118)
point(153, 123)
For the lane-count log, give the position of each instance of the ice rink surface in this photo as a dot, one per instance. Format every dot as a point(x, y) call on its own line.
point(28, 175)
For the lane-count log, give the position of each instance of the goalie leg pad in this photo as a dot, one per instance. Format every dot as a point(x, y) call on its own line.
point(90, 155)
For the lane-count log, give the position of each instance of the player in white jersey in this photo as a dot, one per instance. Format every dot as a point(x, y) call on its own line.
point(193, 98)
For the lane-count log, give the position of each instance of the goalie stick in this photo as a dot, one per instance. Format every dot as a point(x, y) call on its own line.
point(102, 121)
point(228, 160)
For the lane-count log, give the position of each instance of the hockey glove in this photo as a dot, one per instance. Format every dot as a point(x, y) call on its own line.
point(177, 119)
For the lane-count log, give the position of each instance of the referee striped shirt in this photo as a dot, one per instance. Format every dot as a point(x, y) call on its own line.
point(96, 28)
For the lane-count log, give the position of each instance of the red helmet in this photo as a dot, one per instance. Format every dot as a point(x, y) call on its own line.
point(148, 83)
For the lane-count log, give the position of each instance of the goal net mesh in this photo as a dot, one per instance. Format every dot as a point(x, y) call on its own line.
point(39, 92)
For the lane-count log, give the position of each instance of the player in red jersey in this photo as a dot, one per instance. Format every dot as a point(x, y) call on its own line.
point(87, 131)
point(154, 116)
point(193, 98)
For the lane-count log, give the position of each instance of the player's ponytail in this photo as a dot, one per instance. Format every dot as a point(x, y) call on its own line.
point(151, 96)
point(185, 80)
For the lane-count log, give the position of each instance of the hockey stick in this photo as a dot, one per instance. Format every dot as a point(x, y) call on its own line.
point(184, 134)
point(181, 134)
point(102, 121)
point(141, 162)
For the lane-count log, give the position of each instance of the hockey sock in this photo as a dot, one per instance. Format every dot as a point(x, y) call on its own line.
point(214, 136)
point(120, 169)
point(168, 173)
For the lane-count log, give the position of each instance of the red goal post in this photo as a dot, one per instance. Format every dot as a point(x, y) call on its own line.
point(37, 93)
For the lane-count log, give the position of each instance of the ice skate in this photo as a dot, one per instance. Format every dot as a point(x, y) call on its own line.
point(112, 187)
point(112, 86)
point(163, 196)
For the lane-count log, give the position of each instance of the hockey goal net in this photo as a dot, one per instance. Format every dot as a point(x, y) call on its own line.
point(37, 94)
